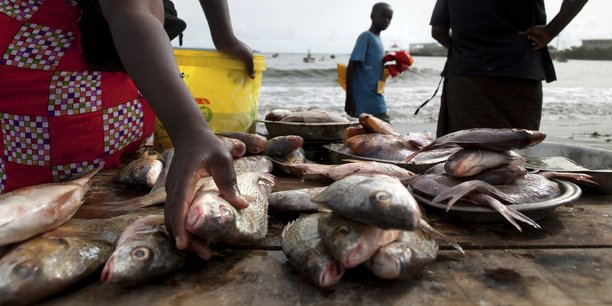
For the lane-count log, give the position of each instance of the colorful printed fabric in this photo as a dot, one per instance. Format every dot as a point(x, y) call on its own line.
point(58, 118)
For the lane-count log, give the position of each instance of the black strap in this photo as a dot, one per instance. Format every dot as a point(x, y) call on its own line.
point(434, 94)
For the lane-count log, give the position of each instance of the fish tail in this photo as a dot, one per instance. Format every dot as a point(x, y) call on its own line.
point(426, 227)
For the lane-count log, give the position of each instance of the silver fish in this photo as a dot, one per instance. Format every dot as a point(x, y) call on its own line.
point(143, 171)
point(338, 172)
point(468, 162)
point(381, 146)
point(302, 244)
point(51, 262)
point(294, 201)
point(32, 210)
point(215, 220)
point(405, 258)
point(378, 200)
point(350, 242)
point(143, 252)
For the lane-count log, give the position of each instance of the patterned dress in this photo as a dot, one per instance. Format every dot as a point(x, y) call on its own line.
point(58, 117)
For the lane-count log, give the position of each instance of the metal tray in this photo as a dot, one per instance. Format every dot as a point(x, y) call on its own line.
point(535, 211)
point(331, 131)
point(553, 156)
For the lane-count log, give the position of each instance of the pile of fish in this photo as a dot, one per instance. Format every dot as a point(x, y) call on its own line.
point(374, 221)
point(485, 171)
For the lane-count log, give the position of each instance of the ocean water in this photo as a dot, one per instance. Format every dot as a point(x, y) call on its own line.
point(583, 89)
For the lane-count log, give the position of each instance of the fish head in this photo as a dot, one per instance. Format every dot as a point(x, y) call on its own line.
point(322, 268)
point(209, 208)
point(126, 263)
point(343, 238)
point(387, 262)
point(394, 209)
point(142, 171)
point(18, 277)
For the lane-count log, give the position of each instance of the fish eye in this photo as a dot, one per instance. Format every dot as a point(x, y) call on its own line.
point(343, 230)
point(141, 253)
point(25, 269)
point(381, 197)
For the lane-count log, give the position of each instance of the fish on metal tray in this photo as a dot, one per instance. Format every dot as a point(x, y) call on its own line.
point(381, 146)
point(302, 244)
point(143, 171)
point(486, 139)
point(32, 210)
point(350, 242)
point(376, 125)
point(143, 252)
point(313, 116)
point(55, 260)
point(378, 200)
point(217, 221)
point(337, 172)
point(404, 258)
point(468, 162)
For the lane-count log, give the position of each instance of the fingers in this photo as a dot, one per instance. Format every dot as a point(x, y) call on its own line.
point(249, 65)
point(200, 247)
point(180, 189)
point(225, 179)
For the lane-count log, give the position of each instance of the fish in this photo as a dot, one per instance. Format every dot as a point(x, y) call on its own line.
point(280, 146)
point(158, 195)
point(53, 261)
point(376, 125)
point(486, 139)
point(215, 220)
point(405, 258)
point(302, 244)
point(277, 114)
point(381, 146)
point(313, 116)
point(338, 172)
point(353, 243)
point(32, 210)
point(469, 162)
point(502, 175)
point(354, 131)
point(143, 171)
point(143, 252)
point(236, 147)
point(378, 200)
point(255, 144)
point(441, 186)
point(294, 201)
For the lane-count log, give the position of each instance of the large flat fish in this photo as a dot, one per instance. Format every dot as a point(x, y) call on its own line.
point(302, 244)
point(378, 200)
point(51, 262)
point(381, 146)
point(32, 210)
point(215, 220)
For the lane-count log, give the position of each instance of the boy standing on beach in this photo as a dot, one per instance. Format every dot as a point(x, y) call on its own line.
point(365, 68)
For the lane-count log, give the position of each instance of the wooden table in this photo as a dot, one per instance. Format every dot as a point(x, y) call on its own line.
point(567, 262)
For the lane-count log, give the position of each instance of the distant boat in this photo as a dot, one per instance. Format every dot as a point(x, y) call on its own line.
point(275, 55)
point(309, 58)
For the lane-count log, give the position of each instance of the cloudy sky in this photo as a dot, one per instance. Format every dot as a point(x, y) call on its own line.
point(331, 26)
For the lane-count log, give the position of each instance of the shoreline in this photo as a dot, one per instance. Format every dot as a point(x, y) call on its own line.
point(585, 132)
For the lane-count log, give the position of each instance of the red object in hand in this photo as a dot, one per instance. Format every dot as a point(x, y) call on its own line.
point(402, 60)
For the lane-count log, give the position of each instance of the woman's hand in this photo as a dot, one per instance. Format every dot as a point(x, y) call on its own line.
point(195, 157)
point(538, 35)
point(240, 51)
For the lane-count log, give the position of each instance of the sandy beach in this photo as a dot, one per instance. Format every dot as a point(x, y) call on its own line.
point(592, 132)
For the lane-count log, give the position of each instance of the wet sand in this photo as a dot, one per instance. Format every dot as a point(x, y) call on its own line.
point(592, 132)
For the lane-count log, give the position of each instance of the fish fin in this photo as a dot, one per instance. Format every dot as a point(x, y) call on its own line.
point(581, 177)
point(509, 213)
point(459, 191)
point(323, 208)
point(4, 222)
point(430, 230)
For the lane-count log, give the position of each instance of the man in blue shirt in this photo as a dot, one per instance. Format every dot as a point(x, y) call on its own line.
point(365, 68)
point(496, 62)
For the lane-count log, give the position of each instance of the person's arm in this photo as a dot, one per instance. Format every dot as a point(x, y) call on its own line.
point(220, 24)
point(349, 104)
point(442, 35)
point(540, 36)
point(146, 53)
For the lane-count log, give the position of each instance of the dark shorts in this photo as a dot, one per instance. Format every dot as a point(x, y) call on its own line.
point(488, 102)
point(97, 41)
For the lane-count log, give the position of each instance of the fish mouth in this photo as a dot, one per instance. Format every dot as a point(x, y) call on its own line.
point(354, 257)
point(330, 275)
point(107, 274)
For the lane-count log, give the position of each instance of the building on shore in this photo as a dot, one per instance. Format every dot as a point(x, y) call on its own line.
point(590, 44)
point(428, 49)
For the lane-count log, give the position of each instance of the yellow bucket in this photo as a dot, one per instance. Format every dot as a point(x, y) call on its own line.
point(227, 97)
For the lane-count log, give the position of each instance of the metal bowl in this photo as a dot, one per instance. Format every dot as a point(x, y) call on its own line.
point(535, 211)
point(553, 156)
point(328, 131)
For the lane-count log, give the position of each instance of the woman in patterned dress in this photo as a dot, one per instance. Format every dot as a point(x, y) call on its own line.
point(59, 117)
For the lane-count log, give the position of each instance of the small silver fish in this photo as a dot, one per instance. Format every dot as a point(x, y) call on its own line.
point(302, 244)
point(294, 201)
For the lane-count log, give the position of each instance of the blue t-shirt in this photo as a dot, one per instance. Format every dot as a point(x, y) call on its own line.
point(368, 54)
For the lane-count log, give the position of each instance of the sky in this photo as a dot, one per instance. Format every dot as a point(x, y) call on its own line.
point(331, 26)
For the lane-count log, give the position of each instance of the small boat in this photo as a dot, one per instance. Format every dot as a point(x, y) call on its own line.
point(275, 55)
point(309, 58)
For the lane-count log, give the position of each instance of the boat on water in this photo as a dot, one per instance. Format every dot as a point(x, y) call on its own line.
point(309, 58)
